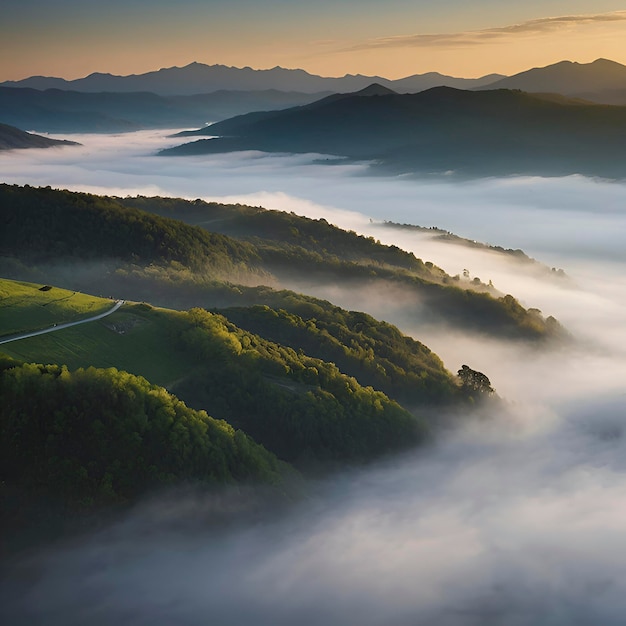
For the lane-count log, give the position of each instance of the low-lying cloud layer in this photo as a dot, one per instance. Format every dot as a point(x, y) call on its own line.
point(513, 519)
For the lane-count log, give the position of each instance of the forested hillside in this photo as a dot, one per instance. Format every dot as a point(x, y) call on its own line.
point(41, 224)
point(278, 230)
point(374, 352)
point(303, 408)
point(12, 138)
point(300, 250)
point(94, 436)
point(287, 378)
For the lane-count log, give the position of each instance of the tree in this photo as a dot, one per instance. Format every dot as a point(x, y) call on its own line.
point(475, 381)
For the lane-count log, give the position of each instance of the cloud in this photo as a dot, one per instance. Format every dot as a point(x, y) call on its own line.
point(541, 26)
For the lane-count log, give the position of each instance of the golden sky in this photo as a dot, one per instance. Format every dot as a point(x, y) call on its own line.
point(72, 38)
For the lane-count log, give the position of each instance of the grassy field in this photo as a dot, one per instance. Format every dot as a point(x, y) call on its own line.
point(25, 307)
point(136, 338)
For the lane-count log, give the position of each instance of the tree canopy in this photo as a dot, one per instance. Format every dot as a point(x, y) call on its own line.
point(104, 435)
point(474, 381)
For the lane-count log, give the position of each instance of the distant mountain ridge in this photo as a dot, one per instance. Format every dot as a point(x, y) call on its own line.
point(439, 131)
point(58, 110)
point(602, 81)
point(198, 94)
point(197, 78)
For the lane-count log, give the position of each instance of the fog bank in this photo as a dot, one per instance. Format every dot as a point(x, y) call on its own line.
point(512, 519)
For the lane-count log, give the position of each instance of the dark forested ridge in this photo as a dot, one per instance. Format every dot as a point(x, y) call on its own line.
point(445, 236)
point(12, 138)
point(442, 130)
point(137, 255)
point(41, 224)
point(304, 251)
point(276, 230)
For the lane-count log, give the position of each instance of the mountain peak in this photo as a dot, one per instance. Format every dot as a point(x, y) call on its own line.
point(375, 89)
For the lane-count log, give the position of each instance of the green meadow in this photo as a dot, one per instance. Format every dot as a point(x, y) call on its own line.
point(136, 338)
point(28, 306)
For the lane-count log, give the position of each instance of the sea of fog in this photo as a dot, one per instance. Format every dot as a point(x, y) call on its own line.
point(510, 519)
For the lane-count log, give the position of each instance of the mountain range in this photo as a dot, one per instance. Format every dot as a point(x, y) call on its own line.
point(602, 81)
point(197, 78)
point(439, 131)
point(198, 94)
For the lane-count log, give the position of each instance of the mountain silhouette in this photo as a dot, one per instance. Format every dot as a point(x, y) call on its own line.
point(197, 78)
point(442, 130)
point(600, 81)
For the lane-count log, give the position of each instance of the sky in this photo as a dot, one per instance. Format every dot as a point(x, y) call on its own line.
point(396, 38)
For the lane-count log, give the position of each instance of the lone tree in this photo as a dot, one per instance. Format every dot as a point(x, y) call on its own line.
point(475, 381)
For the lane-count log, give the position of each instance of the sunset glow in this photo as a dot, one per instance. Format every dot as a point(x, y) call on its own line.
point(71, 39)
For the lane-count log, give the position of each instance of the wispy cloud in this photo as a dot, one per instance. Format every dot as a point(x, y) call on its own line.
point(539, 26)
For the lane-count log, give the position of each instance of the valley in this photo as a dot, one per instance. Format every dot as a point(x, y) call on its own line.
point(311, 390)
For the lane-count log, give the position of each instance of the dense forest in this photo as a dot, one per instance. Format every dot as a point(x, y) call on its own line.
point(303, 409)
point(96, 435)
point(40, 224)
point(276, 230)
point(173, 264)
point(286, 397)
point(374, 352)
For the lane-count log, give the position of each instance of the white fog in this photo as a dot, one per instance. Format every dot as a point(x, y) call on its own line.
point(513, 519)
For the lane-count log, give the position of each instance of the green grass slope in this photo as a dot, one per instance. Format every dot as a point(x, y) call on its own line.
point(26, 306)
point(136, 339)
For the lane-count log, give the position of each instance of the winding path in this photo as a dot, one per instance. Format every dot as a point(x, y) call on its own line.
point(51, 329)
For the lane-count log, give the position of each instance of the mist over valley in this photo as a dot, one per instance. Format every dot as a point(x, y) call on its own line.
point(511, 515)
point(313, 313)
